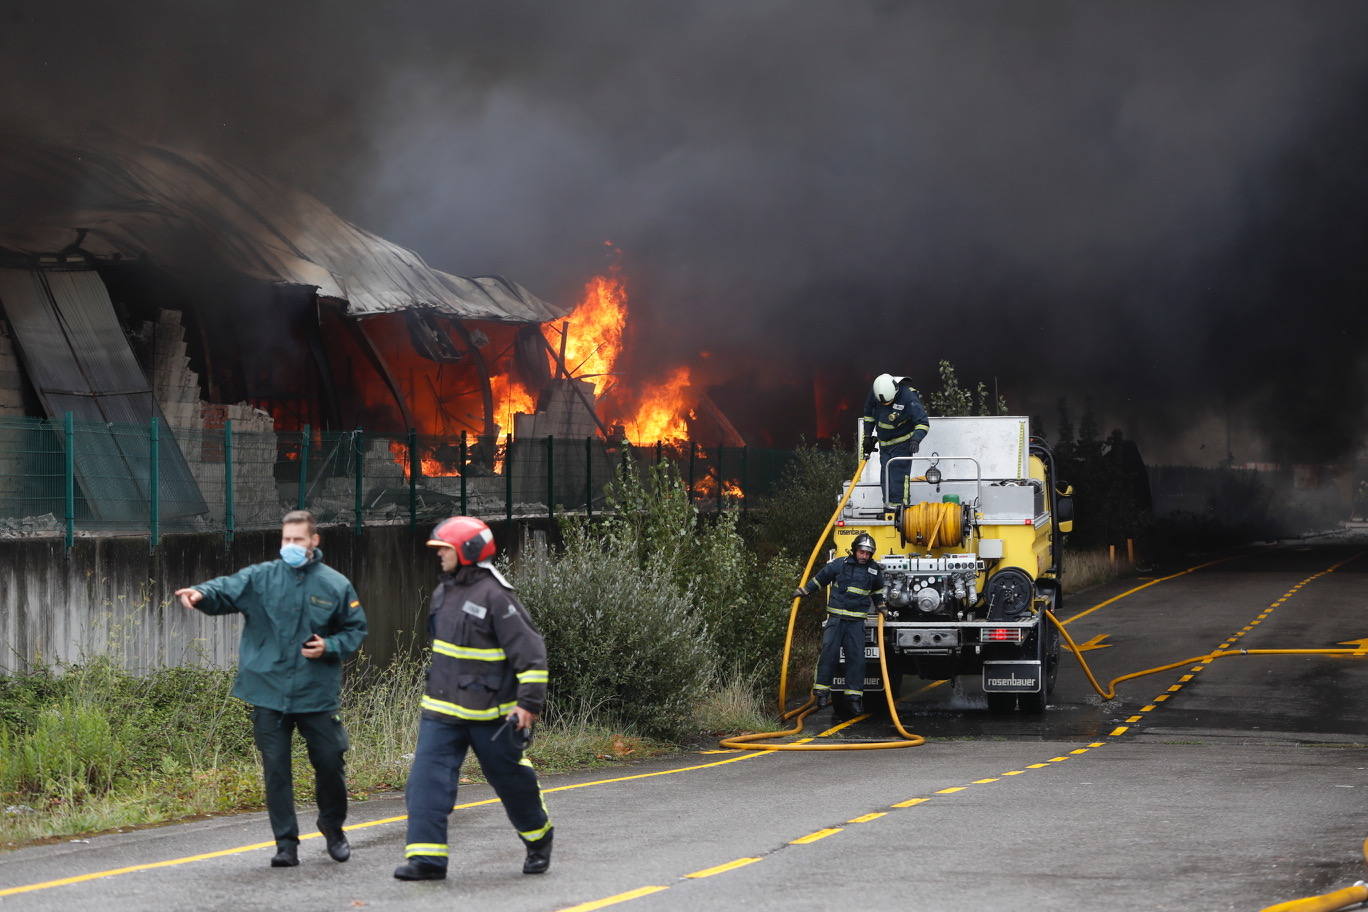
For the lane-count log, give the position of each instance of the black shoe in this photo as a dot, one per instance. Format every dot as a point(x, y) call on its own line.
point(419, 870)
point(823, 699)
point(338, 848)
point(538, 855)
point(286, 856)
point(856, 707)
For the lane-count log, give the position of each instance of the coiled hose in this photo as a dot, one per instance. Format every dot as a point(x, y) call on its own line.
point(933, 525)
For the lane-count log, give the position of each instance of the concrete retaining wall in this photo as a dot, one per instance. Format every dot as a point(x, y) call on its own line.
point(109, 596)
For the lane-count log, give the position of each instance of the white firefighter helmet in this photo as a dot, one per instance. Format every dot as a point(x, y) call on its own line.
point(885, 388)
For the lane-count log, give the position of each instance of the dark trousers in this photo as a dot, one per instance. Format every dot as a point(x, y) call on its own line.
point(898, 472)
point(838, 633)
point(432, 782)
point(327, 742)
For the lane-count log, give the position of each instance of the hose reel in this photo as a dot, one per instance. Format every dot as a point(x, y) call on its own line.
point(932, 525)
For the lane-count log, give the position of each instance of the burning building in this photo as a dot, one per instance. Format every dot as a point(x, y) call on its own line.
point(141, 282)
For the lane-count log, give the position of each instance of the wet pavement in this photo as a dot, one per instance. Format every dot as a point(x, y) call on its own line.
point(1231, 787)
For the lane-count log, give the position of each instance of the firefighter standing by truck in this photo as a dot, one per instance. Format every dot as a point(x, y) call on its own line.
point(894, 417)
point(856, 588)
point(485, 688)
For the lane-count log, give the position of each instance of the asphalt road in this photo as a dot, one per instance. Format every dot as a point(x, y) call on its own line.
point(1230, 787)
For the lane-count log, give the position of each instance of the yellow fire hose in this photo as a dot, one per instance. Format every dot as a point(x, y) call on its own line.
point(1110, 692)
point(940, 522)
point(1327, 902)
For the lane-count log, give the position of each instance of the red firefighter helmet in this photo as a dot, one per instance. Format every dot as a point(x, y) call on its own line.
point(469, 537)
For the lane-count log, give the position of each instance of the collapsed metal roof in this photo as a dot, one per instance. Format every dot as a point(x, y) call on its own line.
point(118, 198)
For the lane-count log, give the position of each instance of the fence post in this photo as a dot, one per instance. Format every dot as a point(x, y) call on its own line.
point(229, 520)
point(693, 454)
point(465, 509)
point(588, 477)
point(301, 501)
point(414, 465)
point(550, 476)
point(358, 453)
point(69, 426)
point(745, 479)
point(508, 489)
point(153, 483)
point(719, 479)
point(660, 452)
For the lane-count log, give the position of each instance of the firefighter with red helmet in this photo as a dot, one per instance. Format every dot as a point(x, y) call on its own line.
point(485, 687)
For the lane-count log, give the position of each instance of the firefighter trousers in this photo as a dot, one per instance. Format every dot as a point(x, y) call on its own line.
point(842, 633)
point(898, 472)
point(432, 784)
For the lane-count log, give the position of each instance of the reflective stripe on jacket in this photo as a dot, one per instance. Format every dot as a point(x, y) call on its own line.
point(856, 588)
point(487, 655)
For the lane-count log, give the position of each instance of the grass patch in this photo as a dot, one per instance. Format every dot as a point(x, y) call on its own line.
point(1084, 569)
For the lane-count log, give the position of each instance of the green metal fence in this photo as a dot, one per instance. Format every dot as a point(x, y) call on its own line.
point(64, 477)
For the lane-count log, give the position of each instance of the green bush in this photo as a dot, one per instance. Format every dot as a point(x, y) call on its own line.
point(621, 638)
point(644, 610)
point(72, 749)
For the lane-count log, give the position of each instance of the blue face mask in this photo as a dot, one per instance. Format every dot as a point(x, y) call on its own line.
point(294, 555)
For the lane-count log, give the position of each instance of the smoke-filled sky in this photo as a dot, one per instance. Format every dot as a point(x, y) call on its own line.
point(1157, 207)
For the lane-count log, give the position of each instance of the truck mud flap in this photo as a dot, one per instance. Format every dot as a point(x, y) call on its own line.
point(1015, 676)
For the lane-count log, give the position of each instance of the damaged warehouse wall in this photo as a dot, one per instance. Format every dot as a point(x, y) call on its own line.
point(110, 597)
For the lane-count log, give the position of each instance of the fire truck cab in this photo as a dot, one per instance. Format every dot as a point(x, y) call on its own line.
point(972, 559)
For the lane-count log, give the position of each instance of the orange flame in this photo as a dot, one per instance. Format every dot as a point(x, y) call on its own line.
point(663, 413)
point(596, 325)
point(428, 464)
point(706, 487)
point(510, 397)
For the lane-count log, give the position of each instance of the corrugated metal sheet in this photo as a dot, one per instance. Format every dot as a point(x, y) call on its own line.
point(77, 357)
point(173, 207)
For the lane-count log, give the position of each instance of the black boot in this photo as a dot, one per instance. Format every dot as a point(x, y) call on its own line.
point(823, 699)
point(419, 870)
point(338, 847)
point(286, 856)
point(856, 707)
point(538, 855)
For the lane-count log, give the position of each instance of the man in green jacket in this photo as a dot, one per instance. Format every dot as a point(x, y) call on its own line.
point(302, 620)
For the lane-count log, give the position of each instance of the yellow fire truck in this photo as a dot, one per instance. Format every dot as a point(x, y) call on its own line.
point(972, 559)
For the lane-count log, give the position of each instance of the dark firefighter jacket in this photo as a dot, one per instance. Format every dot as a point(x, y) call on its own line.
point(902, 419)
point(282, 607)
point(487, 655)
point(855, 588)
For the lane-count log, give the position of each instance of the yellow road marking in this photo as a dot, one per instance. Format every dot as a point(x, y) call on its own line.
point(1081, 750)
point(865, 818)
point(1134, 719)
point(1013, 772)
point(983, 781)
point(1119, 730)
point(951, 790)
point(1153, 582)
point(911, 802)
point(1185, 678)
point(813, 837)
point(613, 900)
point(1057, 759)
point(1036, 766)
point(1161, 698)
point(95, 875)
point(1174, 688)
point(722, 868)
